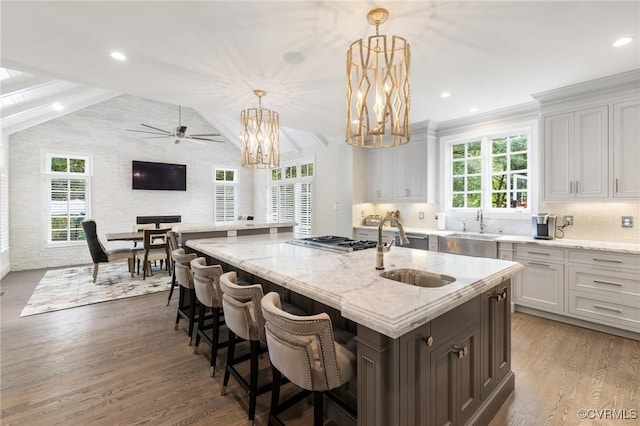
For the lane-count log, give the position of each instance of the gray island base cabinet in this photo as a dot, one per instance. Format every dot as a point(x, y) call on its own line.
point(425, 356)
point(454, 370)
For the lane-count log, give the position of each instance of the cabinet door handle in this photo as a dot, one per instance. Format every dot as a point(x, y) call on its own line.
point(541, 253)
point(576, 187)
point(606, 308)
point(607, 282)
point(617, 185)
point(504, 295)
point(428, 340)
point(460, 352)
point(538, 264)
point(570, 187)
point(596, 259)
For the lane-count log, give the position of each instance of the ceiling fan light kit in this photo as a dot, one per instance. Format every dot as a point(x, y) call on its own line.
point(260, 128)
point(378, 88)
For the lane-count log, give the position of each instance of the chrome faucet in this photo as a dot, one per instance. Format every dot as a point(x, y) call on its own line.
point(480, 218)
point(464, 225)
point(384, 248)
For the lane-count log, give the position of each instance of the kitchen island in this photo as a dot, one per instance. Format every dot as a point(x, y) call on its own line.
point(411, 340)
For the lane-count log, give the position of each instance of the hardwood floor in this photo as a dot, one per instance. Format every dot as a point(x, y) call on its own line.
point(122, 362)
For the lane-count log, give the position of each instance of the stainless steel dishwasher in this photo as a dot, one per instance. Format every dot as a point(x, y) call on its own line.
point(416, 241)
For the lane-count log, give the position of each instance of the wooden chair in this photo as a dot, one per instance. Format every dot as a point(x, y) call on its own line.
point(155, 247)
point(101, 255)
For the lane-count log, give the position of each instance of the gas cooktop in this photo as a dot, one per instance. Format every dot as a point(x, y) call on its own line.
point(334, 243)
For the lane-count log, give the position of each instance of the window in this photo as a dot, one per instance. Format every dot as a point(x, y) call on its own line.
point(67, 183)
point(490, 171)
point(290, 195)
point(225, 186)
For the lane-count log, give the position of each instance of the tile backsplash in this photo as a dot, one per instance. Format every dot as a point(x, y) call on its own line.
point(592, 221)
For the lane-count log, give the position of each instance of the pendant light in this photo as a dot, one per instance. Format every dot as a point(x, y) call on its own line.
point(378, 88)
point(260, 129)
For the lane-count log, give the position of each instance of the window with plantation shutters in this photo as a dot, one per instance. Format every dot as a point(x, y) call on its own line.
point(67, 182)
point(225, 187)
point(290, 196)
point(4, 213)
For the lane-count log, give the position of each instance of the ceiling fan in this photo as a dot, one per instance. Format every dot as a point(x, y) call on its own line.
point(179, 133)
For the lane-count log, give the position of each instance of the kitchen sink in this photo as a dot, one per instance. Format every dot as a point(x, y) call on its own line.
point(477, 245)
point(474, 236)
point(417, 277)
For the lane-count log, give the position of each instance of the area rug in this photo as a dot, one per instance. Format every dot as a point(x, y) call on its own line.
point(68, 288)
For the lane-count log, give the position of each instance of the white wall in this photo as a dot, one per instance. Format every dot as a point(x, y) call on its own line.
point(99, 130)
point(5, 262)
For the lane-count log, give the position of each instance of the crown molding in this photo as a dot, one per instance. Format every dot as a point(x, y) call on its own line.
point(526, 109)
point(628, 80)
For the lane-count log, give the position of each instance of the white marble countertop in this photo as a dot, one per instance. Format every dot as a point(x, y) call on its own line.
point(613, 246)
point(350, 283)
point(244, 224)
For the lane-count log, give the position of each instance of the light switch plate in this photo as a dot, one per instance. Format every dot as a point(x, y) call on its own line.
point(568, 221)
point(420, 215)
point(627, 221)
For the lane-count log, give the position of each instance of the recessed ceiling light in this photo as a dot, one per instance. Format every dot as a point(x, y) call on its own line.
point(58, 106)
point(293, 57)
point(118, 56)
point(623, 41)
point(445, 94)
point(474, 109)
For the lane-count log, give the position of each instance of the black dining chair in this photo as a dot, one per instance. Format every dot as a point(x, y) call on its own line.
point(101, 255)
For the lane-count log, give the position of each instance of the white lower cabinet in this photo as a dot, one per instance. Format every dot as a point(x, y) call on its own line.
point(596, 286)
point(541, 286)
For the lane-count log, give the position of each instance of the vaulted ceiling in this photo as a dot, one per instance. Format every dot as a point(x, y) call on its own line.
point(210, 55)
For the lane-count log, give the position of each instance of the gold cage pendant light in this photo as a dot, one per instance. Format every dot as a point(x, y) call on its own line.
point(378, 89)
point(260, 129)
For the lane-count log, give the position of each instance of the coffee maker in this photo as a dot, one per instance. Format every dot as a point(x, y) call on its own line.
point(543, 226)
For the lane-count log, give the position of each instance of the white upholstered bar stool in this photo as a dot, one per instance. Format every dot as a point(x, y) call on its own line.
point(206, 280)
point(187, 300)
point(303, 349)
point(243, 316)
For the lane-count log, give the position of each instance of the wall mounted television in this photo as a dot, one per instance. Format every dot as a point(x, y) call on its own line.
point(158, 176)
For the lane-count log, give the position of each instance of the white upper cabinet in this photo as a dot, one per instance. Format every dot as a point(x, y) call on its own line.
point(379, 165)
point(626, 149)
point(575, 147)
point(397, 174)
point(410, 172)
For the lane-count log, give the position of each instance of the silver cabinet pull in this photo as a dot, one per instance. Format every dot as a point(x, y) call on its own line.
point(428, 340)
point(570, 187)
point(617, 185)
point(576, 187)
point(607, 282)
point(538, 252)
point(596, 259)
point(606, 308)
point(538, 264)
point(460, 352)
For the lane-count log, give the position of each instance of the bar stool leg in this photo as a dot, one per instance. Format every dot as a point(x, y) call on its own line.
point(180, 305)
point(192, 313)
point(275, 396)
point(230, 355)
point(318, 411)
point(253, 384)
point(173, 284)
point(201, 312)
point(215, 337)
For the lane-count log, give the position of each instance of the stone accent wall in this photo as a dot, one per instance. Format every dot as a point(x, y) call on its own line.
point(100, 131)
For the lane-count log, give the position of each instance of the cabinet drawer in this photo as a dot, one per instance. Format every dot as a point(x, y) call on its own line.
point(541, 286)
point(548, 254)
point(601, 258)
point(445, 324)
point(609, 283)
point(604, 310)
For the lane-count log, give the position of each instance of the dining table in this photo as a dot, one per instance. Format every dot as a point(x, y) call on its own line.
point(125, 236)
